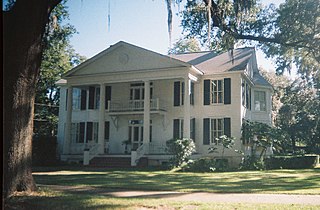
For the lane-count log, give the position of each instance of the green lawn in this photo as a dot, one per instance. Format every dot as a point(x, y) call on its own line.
point(305, 181)
point(277, 181)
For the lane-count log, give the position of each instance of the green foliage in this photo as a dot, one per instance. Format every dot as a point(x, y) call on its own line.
point(57, 58)
point(252, 163)
point(289, 34)
point(181, 149)
point(184, 46)
point(299, 115)
point(292, 162)
point(200, 165)
point(44, 151)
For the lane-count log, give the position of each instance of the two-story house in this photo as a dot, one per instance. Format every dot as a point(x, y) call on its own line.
point(128, 101)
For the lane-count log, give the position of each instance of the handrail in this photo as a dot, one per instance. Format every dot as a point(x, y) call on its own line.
point(136, 155)
point(90, 153)
point(133, 105)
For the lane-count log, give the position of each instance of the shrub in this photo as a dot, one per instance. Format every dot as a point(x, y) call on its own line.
point(292, 162)
point(252, 163)
point(44, 151)
point(205, 165)
point(181, 149)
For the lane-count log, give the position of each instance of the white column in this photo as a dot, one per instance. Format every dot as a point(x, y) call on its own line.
point(186, 119)
point(101, 118)
point(146, 113)
point(67, 133)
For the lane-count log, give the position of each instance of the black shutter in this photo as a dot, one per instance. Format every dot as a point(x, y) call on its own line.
point(83, 104)
point(206, 92)
point(106, 130)
point(176, 129)
point(81, 137)
point(91, 97)
point(108, 96)
point(192, 93)
point(89, 131)
point(176, 92)
point(193, 129)
point(227, 126)
point(206, 131)
point(227, 91)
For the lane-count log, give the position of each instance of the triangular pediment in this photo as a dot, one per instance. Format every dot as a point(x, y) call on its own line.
point(124, 57)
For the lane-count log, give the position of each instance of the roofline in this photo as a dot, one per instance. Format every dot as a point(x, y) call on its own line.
point(115, 46)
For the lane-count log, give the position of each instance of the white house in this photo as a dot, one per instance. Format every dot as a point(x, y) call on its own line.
point(130, 94)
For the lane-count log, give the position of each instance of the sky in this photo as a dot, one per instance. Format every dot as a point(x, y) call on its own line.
point(101, 23)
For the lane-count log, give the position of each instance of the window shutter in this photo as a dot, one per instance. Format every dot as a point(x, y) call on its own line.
point(192, 93)
point(108, 96)
point(206, 92)
point(83, 104)
point(193, 129)
point(176, 92)
point(89, 131)
point(206, 131)
point(106, 130)
point(227, 91)
point(227, 126)
point(81, 136)
point(91, 97)
point(176, 129)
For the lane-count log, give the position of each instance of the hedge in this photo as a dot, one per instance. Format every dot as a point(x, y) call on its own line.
point(292, 162)
point(44, 151)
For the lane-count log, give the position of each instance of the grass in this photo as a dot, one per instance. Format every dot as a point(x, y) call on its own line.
point(305, 181)
point(64, 201)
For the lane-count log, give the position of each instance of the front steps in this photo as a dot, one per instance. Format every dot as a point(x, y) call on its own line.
point(116, 162)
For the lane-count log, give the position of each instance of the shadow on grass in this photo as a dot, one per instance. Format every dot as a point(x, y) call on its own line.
point(65, 201)
point(287, 181)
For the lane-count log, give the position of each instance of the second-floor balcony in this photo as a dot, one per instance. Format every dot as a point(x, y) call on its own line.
point(133, 106)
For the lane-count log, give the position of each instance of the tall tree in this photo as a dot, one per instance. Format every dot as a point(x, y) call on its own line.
point(23, 29)
point(185, 45)
point(57, 58)
point(289, 34)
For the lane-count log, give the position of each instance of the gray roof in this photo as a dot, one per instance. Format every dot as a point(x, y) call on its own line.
point(258, 79)
point(210, 62)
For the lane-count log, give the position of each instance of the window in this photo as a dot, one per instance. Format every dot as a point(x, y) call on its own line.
point(137, 91)
point(94, 97)
point(77, 132)
point(260, 101)
point(179, 93)
point(246, 95)
point(214, 128)
point(177, 128)
point(217, 91)
point(92, 132)
point(76, 98)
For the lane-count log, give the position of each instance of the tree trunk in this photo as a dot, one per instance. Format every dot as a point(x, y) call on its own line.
point(23, 29)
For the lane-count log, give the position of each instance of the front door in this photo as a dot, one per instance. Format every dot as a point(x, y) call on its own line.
point(136, 133)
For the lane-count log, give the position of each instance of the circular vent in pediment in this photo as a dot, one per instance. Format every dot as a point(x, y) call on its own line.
point(123, 58)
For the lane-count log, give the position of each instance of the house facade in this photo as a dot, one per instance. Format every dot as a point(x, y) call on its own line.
point(128, 101)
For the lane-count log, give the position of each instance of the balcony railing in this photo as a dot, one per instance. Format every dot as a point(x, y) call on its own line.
point(134, 105)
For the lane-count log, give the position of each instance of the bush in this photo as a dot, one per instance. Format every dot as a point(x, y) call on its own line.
point(252, 163)
point(181, 149)
point(292, 162)
point(44, 151)
point(205, 165)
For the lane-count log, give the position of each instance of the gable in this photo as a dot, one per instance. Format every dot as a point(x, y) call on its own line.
point(124, 57)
